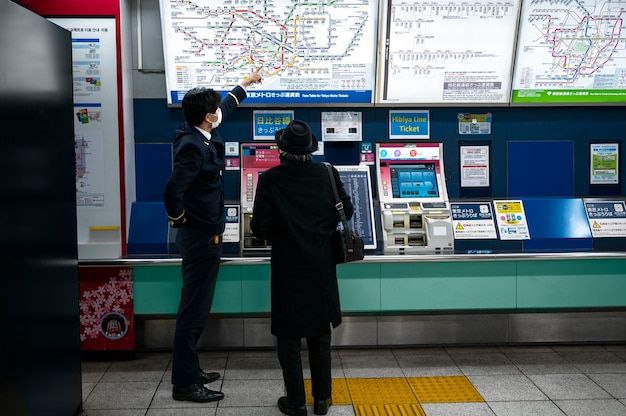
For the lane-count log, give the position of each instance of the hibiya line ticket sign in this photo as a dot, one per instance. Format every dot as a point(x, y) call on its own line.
point(570, 52)
point(447, 51)
point(311, 53)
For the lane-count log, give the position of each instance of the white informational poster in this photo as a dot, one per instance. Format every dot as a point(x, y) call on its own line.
point(604, 163)
point(96, 133)
point(511, 220)
point(606, 218)
point(231, 224)
point(89, 156)
point(342, 126)
point(474, 166)
point(446, 51)
point(310, 52)
point(473, 220)
point(570, 52)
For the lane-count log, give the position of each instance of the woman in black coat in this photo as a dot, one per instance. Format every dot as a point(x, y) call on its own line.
point(294, 208)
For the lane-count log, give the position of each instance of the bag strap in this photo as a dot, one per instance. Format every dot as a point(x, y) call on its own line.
point(339, 205)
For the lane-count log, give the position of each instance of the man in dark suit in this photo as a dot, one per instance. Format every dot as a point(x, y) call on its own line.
point(294, 208)
point(194, 202)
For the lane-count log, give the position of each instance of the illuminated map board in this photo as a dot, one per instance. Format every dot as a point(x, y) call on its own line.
point(318, 52)
point(447, 51)
point(570, 52)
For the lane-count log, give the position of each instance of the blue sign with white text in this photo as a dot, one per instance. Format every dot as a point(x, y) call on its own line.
point(409, 124)
point(267, 123)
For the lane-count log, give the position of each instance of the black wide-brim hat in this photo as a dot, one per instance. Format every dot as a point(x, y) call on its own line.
point(296, 138)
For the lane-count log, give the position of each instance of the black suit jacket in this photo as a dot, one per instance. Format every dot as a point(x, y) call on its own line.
point(195, 185)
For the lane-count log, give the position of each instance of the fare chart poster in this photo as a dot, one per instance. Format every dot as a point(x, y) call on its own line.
point(310, 53)
point(434, 53)
point(570, 52)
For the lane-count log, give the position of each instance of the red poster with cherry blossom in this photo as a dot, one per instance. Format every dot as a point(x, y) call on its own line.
point(106, 308)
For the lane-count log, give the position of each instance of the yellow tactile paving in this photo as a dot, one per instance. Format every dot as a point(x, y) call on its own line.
point(380, 391)
point(389, 410)
point(452, 389)
point(341, 395)
point(398, 396)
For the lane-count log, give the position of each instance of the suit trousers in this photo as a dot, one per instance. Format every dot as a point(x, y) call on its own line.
point(319, 363)
point(201, 254)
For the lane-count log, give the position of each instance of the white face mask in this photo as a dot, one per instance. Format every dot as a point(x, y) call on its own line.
point(215, 124)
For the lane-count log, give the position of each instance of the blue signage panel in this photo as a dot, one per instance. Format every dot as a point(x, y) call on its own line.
point(409, 124)
point(276, 97)
point(267, 122)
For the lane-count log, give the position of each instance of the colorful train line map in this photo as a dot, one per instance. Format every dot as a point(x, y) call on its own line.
point(309, 51)
point(571, 52)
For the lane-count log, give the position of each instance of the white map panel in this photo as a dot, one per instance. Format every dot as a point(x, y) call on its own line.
point(447, 51)
point(311, 52)
point(571, 52)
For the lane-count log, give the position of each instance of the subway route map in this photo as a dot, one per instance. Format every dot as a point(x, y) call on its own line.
point(571, 52)
point(309, 51)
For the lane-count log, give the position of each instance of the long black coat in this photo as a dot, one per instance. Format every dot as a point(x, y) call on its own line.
point(294, 208)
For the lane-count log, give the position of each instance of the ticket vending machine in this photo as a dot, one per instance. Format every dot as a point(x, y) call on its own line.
point(256, 158)
point(414, 206)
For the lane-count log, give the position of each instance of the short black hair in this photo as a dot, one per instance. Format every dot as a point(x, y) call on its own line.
point(198, 102)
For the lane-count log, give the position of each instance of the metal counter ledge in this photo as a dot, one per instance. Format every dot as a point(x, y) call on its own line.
point(429, 258)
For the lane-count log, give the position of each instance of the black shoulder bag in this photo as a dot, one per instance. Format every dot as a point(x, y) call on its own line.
point(347, 245)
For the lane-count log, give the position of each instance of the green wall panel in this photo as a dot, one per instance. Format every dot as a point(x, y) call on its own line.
point(571, 284)
point(359, 287)
point(256, 288)
point(227, 297)
point(386, 287)
point(448, 286)
point(157, 289)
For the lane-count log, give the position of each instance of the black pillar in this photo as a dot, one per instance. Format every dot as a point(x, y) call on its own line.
point(39, 315)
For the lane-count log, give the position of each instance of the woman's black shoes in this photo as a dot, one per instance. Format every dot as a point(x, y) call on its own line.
point(291, 410)
point(320, 407)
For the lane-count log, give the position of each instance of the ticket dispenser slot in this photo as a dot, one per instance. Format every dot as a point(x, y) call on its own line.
point(415, 211)
point(415, 221)
point(416, 239)
point(250, 241)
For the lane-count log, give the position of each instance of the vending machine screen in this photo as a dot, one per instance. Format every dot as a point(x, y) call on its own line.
point(417, 180)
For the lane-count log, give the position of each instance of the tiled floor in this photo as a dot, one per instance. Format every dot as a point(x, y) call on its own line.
point(513, 381)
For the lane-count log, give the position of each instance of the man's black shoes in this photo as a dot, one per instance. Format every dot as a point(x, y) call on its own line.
point(291, 410)
point(206, 378)
point(196, 393)
point(320, 407)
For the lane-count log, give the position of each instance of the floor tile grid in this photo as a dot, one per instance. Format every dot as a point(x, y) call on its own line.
point(495, 373)
point(557, 380)
point(539, 378)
